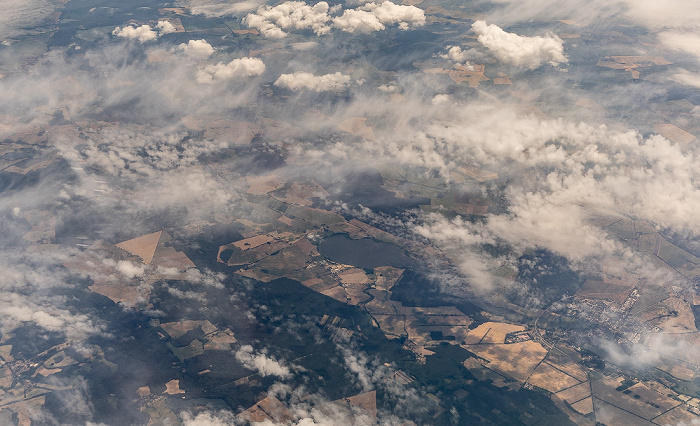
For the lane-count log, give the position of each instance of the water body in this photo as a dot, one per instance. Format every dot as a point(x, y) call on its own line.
point(363, 253)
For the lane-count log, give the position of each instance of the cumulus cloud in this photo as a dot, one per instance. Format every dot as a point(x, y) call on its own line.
point(318, 83)
point(165, 27)
point(130, 269)
point(237, 68)
point(143, 33)
point(277, 21)
point(528, 52)
point(262, 363)
point(682, 41)
point(376, 16)
point(197, 49)
point(440, 99)
point(456, 54)
point(274, 21)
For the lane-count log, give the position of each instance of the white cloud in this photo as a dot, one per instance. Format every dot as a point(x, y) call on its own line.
point(687, 78)
point(273, 21)
point(528, 52)
point(198, 49)
point(318, 83)
point(16, 309)
point(165, 27)
point(143, 33)
point(376, 16)
point(217, 8)
point(260, 362)
point(357, 20)
point(456, 54)
point(277, 21)
point(440, 99)
point(130, 269)
point(222, 418)
point(682, 41)
point(667, 14)
point(237, 68)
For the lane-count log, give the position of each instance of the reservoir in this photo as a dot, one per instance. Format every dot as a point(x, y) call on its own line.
point(363, 253)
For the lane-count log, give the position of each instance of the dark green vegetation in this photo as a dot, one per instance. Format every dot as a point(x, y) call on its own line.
point(548, 278)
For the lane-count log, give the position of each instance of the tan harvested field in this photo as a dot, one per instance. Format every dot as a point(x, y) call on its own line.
point(356, 293)
point(277, 411)
point(473, 75)
point(491, 332)
point(358, 127)
point(350, 294)
point(256, 275)
point(176, 22)
point(547, 377)
point(595, 289)
point(483, 373)
point(502, 81)
point(221, 340)
point(286, 220)
point(252, 242)
point(173, 387)
point(367, 402)
point(144, 246)
point(43, 226)
point(683, 321)
point(128, 295)
point(648, 405)
point(380, 304)
point(307, 247)
point(611, 415)
point(387, 276)
point(652, 396)
point(253, 255)
point(585, 406)
point(391, 324)
point(168, 257)
point(591, 105)
point(354, 276)
point(233, 132)
point(320, 284)
point(284, 262)
point(678, 416)
point(477, 174)
point(260, 185)
point(180, 328)
point(6, 375)
point(565, 364)
point(517, 360)
point(302, 193)
point(674, 133)
point(575, 393)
